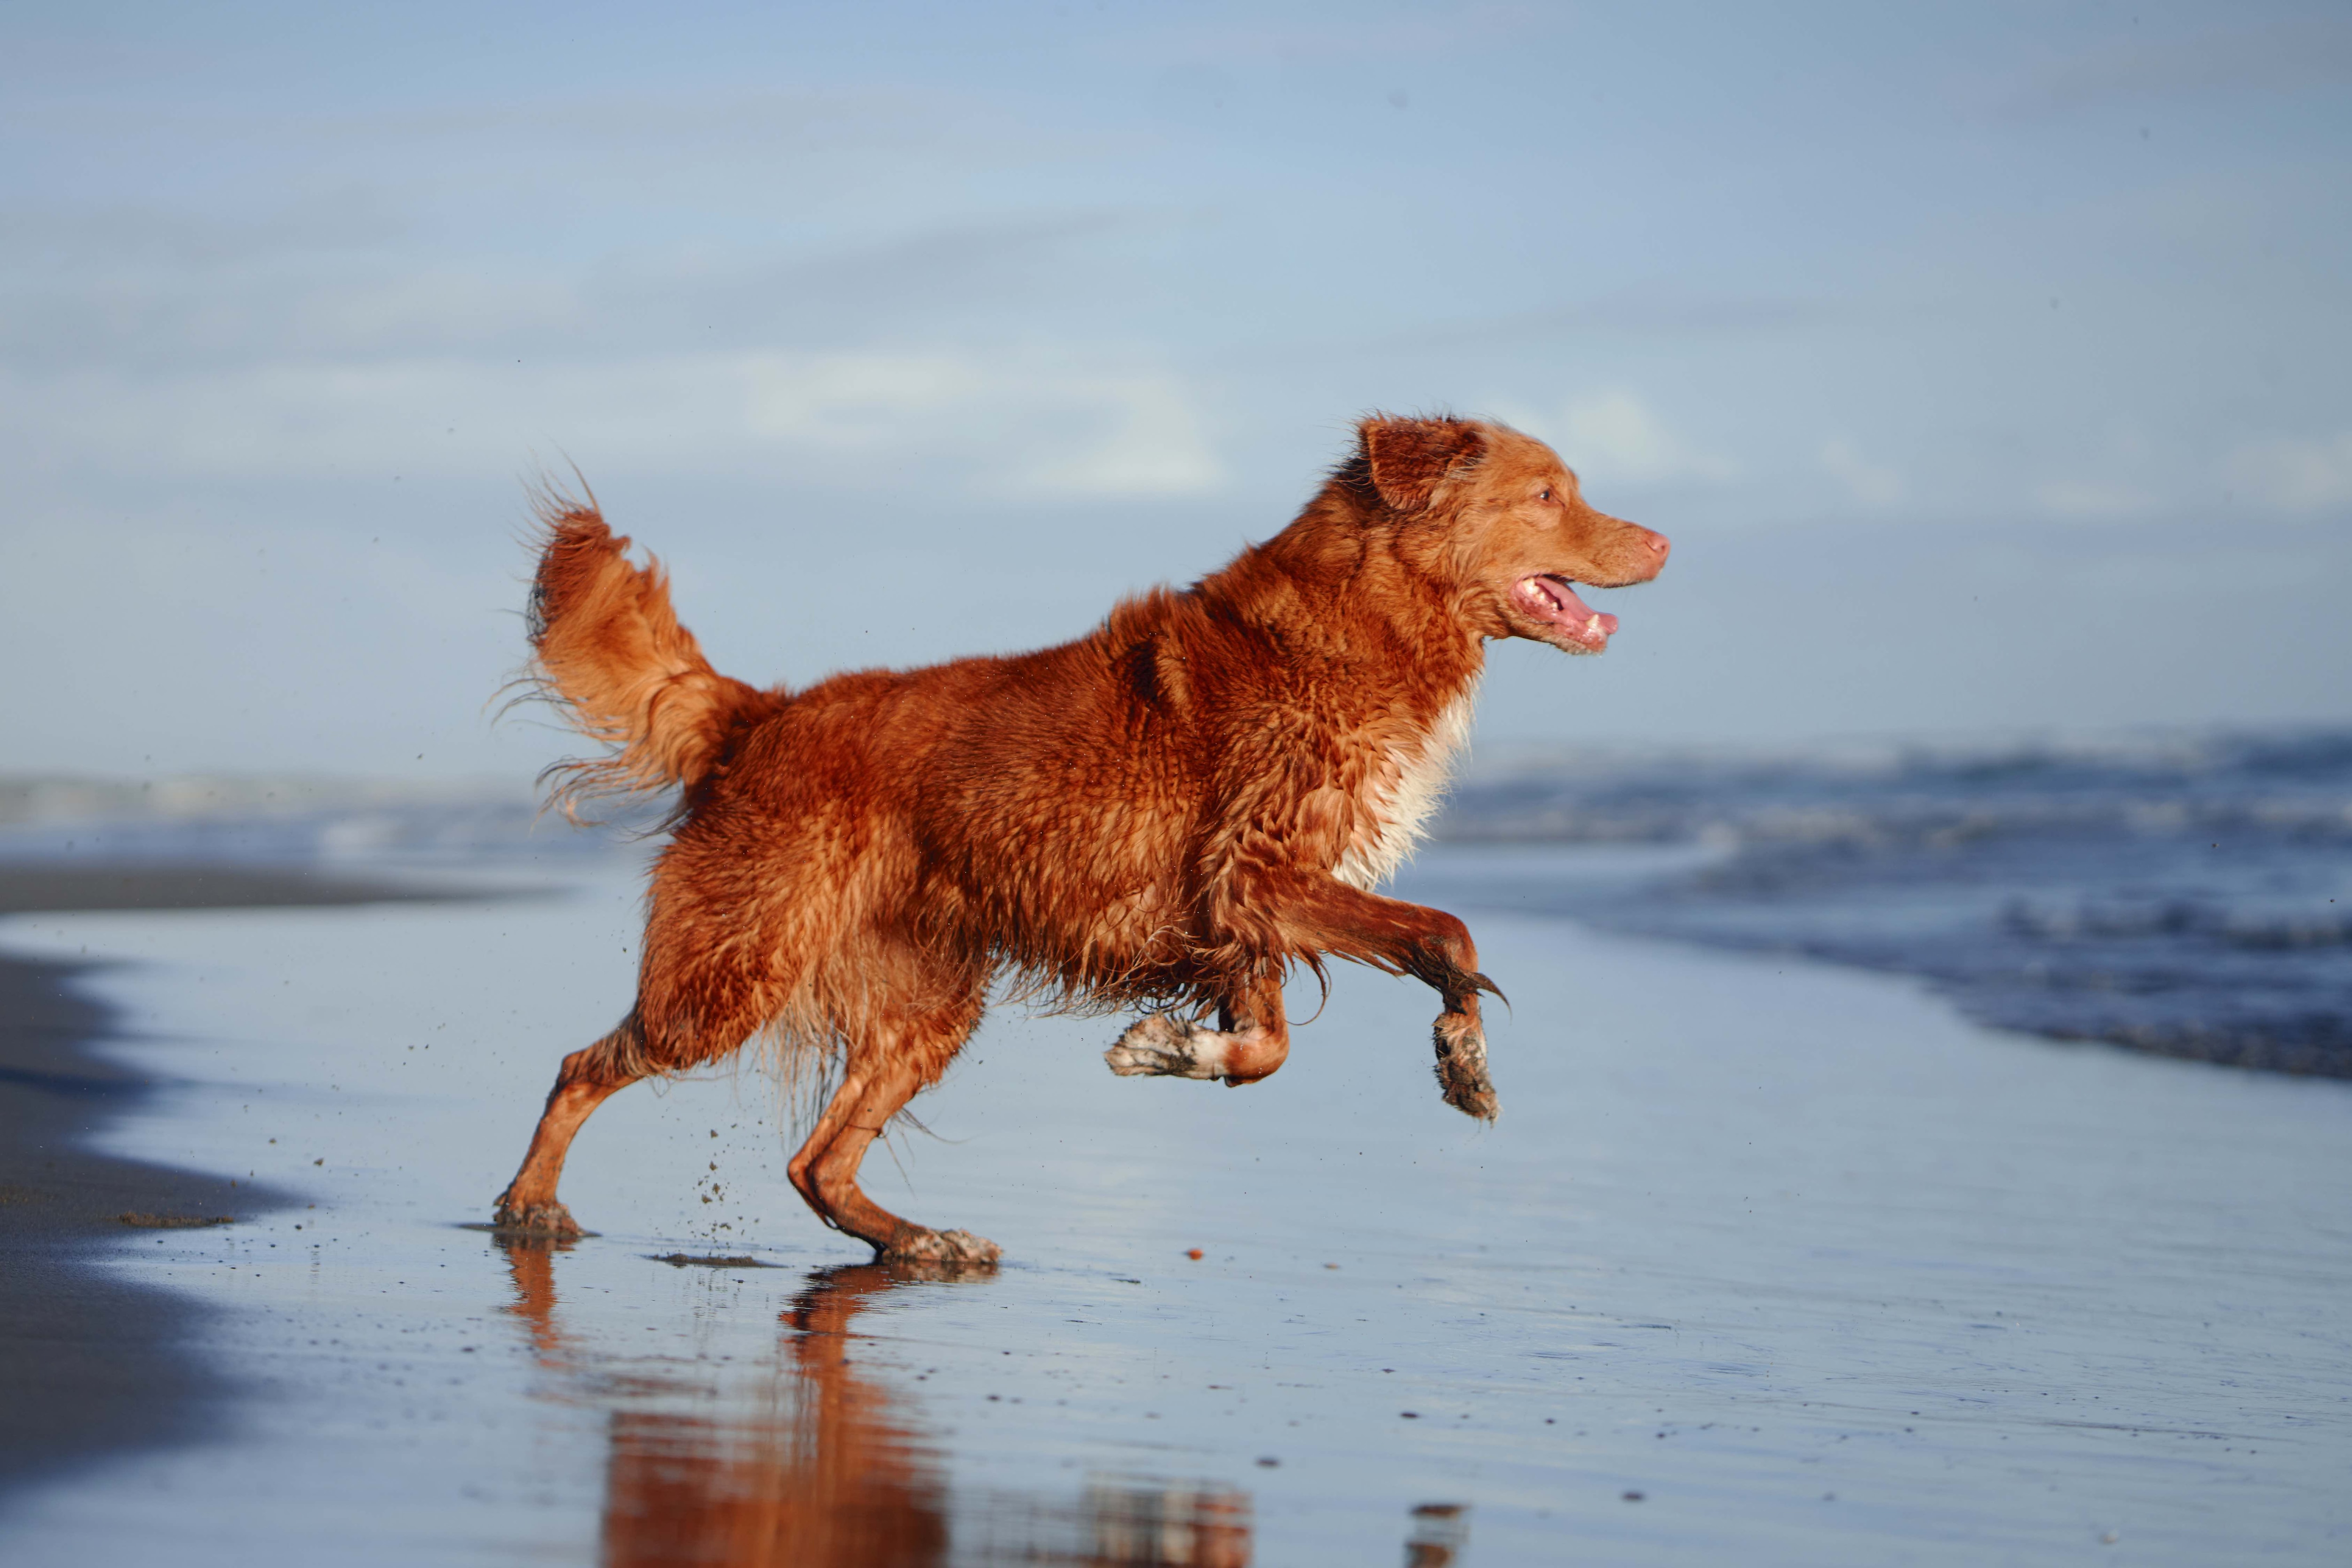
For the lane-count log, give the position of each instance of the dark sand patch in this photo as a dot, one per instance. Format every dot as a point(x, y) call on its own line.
point(83, 1364)
point(28, 889)
point(86, 1367)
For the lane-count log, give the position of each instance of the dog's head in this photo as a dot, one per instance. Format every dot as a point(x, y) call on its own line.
point(1498, 517)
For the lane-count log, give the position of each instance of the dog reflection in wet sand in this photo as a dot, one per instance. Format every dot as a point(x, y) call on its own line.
point(1168, 815)
point(830, 1470)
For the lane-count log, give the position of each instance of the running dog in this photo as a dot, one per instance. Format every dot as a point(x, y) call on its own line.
point(1166, 814)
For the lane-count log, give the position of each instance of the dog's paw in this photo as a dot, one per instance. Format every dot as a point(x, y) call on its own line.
point(942, 1250)
point(1158, 1045)
point(1462, 1068)
point(549, 1219)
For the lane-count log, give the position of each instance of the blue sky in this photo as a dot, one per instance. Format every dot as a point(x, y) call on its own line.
point(1985, 361)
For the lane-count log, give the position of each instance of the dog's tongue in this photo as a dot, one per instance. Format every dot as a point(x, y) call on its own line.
point(1574, 615)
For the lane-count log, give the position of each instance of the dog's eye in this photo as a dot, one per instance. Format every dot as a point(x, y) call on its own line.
point(1545, 494)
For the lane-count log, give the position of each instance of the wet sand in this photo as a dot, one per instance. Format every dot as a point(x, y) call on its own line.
point(85, 1362)
point(1765, 1263)
point(88, 1358)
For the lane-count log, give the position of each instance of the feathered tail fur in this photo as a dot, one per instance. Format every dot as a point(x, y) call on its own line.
point(607, 651)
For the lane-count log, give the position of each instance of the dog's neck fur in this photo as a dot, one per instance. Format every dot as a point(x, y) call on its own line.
point(1349, 583)
point(1355, 586)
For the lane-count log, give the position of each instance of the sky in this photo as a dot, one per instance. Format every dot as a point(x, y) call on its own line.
point(1985, 361)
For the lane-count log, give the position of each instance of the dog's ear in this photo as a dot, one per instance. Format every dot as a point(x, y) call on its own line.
point(1409, 459)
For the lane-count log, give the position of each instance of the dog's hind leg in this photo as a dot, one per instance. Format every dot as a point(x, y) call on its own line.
point(896, 1058)
point(588, 1079)
point(801, 1169)
point(1250, 1041)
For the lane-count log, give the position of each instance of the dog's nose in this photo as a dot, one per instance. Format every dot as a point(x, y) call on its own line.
point(1658, 543)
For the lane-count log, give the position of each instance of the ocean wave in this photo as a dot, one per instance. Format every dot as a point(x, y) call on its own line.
point(2188, 895)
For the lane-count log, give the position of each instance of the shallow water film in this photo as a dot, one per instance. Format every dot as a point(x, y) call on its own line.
point(1765, 1262)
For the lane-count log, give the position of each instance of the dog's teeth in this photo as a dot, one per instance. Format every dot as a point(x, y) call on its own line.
point(1592, 627)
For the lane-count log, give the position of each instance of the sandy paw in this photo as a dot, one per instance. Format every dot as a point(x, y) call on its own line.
point(1158, 1045)
point(916, 1245)
point(1462, 1068)
point(547, 1219)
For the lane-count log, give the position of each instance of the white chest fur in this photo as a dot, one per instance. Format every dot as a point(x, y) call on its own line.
point(1398, 800)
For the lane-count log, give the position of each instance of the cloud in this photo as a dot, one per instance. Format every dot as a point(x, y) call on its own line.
point(1873, 484)
point(1019, 424)
point(2295, 476)
point(1646, 314)
point(161, 290)
point(2090, 500)
point(2277, 59)
point(73, 240)
point(582, 126)
point(1350, 36)
point(1053, 429)
point(1614, 437)
point(1143, 438)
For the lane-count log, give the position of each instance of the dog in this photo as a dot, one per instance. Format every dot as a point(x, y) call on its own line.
point(1166, 815)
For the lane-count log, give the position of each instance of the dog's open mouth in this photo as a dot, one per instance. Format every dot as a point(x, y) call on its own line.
point(1553, 601)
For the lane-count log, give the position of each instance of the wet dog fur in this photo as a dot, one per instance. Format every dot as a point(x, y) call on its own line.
point(1166, 815)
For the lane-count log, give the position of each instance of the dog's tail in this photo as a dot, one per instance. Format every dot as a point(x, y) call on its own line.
point(607, 651)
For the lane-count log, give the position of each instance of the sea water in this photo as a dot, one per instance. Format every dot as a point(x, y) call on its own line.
point(2187, 894)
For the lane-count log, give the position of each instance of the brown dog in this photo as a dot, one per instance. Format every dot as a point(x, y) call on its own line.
point(1167, 813)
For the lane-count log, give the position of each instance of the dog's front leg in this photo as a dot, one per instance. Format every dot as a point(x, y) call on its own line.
point(1313, 912)
point(1252, 1039)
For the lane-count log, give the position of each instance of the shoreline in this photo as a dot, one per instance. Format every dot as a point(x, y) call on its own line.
point(87, 1363)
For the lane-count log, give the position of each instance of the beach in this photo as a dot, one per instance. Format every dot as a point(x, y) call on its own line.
point(1765, 1262)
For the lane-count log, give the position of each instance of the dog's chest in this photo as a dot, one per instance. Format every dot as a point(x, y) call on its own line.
point(1399, 795)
